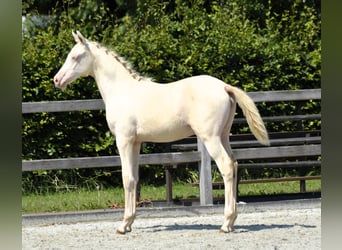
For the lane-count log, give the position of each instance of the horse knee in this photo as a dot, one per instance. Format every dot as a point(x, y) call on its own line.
point(129, 182)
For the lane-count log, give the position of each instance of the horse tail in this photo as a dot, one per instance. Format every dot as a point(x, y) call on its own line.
point(251, 113)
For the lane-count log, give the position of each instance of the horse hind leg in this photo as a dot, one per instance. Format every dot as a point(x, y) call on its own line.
point(230, 210)
point(226, 145)
point(228, 169)
point(230, 184)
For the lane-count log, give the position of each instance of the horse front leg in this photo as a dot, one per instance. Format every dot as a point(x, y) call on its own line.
point(129, 153)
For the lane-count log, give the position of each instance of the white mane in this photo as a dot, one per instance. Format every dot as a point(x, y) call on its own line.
point(127, 65)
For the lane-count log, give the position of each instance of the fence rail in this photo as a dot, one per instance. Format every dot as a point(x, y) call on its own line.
point(109, 161)
point(168, 158)
point(98, 104)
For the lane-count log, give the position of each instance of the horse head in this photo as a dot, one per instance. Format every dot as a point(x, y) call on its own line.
point(79, 62)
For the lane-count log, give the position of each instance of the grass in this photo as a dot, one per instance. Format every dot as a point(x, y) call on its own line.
point(77, 200)
point(288, 187)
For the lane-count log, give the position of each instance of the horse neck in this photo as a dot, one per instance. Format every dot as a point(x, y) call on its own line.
point(110, 75)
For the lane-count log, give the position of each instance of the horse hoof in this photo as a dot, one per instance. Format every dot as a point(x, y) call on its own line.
point(226, 230)
point(120, 232)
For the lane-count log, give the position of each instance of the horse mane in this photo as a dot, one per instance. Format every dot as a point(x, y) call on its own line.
point(126, 64)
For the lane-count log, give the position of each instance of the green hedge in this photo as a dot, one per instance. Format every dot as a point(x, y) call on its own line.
point(256, 45)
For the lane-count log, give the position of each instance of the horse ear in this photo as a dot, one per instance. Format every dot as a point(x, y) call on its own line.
point(79, 38)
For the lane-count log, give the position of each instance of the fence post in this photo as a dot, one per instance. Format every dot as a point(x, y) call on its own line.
point(168, 178)
point(204, 167)
point(302, 171)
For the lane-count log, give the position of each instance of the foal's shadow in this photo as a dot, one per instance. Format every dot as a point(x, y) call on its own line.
point(237, 229)
point(261, 227)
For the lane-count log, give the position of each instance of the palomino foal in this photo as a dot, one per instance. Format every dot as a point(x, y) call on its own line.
point(139, 110)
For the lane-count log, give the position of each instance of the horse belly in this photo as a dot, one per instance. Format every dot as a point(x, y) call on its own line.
point(163, 132)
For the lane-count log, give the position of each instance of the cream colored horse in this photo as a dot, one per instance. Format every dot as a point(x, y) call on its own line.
point(139, 110)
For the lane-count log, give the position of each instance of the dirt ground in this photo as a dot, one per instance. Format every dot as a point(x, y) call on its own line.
point(298, 228)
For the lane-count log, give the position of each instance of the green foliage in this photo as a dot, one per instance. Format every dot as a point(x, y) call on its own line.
point(100, 198)
point(256, 45)
point(222, 41)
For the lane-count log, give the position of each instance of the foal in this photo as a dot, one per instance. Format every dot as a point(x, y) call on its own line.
point(139, 110)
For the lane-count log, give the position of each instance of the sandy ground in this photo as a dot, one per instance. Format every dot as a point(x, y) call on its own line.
point(279, 229)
